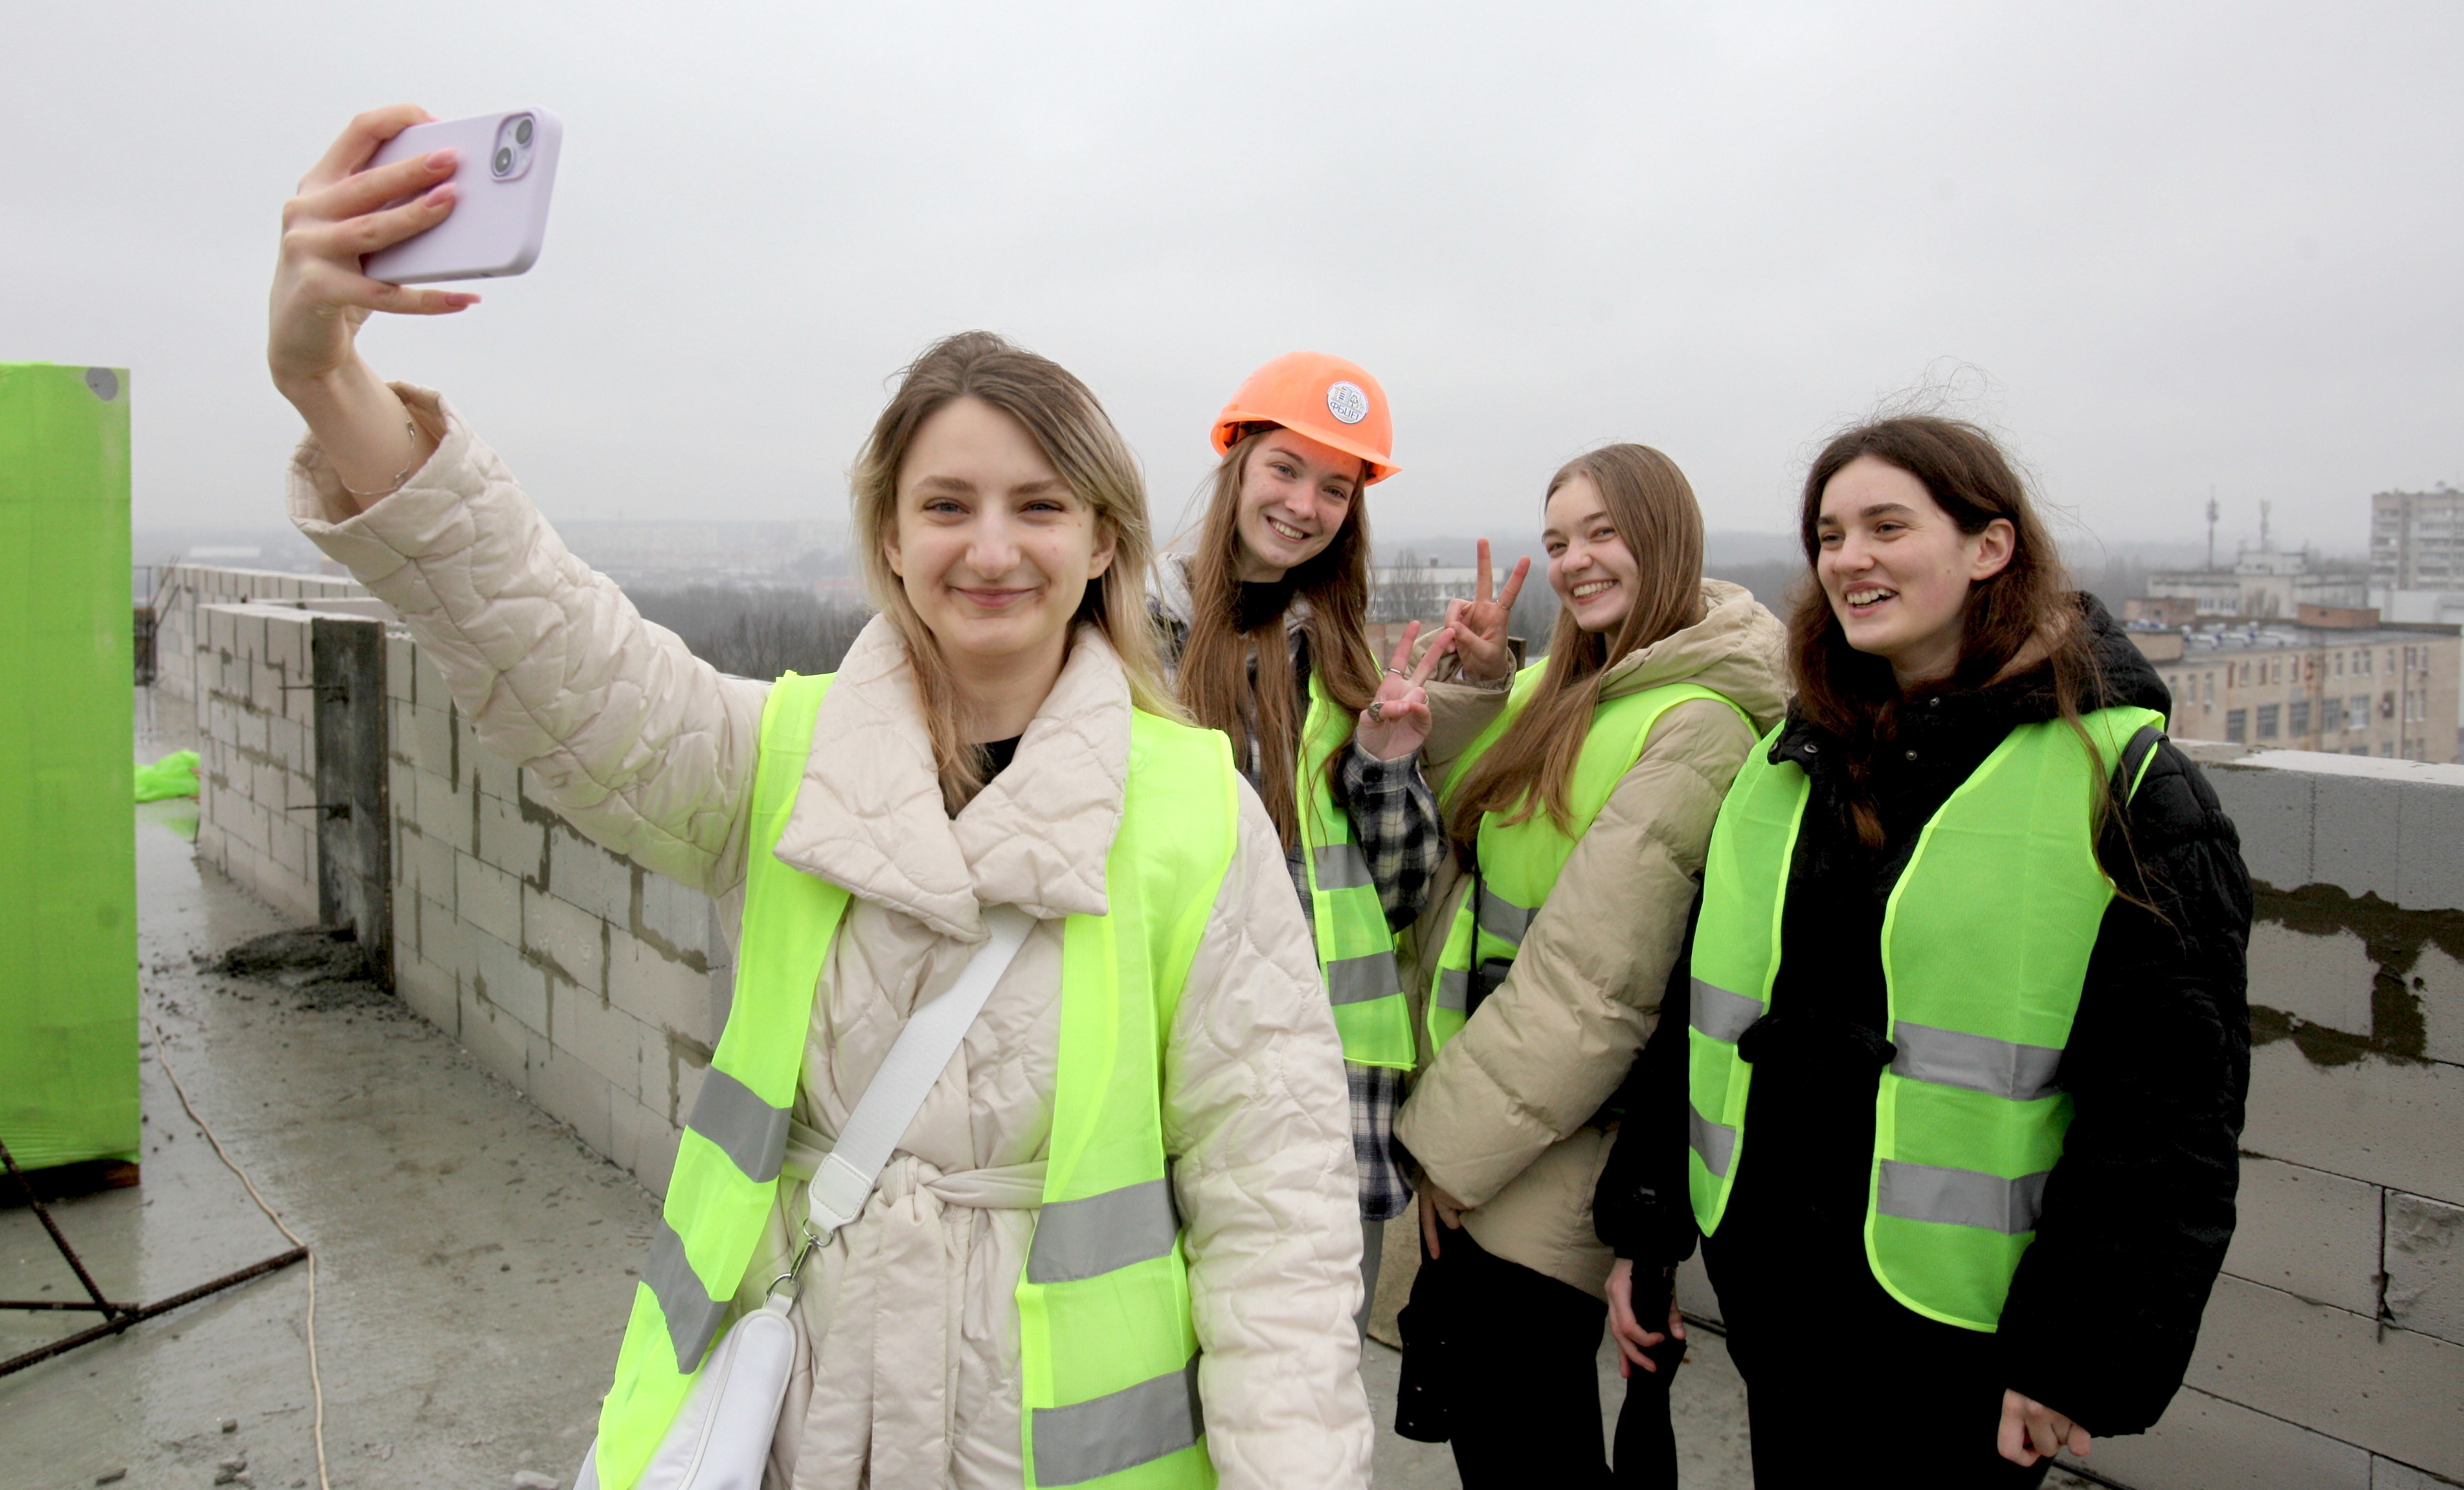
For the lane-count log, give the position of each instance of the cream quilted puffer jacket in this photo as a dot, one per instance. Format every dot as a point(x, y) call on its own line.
point(1505, 1118)
point(910, 1374)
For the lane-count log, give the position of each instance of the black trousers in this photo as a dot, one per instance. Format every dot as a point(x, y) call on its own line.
point(1837, 1370)
point(1503, 1361)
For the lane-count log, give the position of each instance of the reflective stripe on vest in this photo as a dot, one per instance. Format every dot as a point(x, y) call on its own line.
point(1519, 863)
point(1355, 948)
point(1970, 1115)
point(1104, 1299)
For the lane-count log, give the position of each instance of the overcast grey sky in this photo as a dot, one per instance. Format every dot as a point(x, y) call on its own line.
point(2185, 244)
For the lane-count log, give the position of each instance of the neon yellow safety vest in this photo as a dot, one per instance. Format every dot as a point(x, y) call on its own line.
point(1108, 1350)
point(1986, 939)
point(1355, 948)
point(1519, 863)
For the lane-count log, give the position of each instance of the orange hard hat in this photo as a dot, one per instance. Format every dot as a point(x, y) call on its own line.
point(1328, 399)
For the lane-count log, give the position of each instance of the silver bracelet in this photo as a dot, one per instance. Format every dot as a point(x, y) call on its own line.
point(399, 477)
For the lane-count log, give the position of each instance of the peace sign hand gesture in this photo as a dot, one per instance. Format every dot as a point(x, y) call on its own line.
point(1479, 624)
point(1396, 721)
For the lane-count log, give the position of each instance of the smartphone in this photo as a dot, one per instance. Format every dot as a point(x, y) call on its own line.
point(502, 183)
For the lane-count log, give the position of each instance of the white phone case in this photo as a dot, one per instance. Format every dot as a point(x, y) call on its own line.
point(503, 184)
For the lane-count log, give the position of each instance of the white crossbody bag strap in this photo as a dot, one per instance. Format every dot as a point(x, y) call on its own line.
point(845, 1177)
point(720, 1439)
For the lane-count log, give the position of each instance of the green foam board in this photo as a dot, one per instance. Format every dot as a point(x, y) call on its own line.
point(67, 855)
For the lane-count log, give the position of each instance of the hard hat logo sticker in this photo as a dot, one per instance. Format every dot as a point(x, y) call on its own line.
point(1346, 403)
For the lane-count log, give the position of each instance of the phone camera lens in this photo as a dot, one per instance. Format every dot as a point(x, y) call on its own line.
point(504, 160)
point(522, 132)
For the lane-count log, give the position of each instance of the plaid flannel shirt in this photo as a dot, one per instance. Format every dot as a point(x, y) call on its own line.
point(1394, 821)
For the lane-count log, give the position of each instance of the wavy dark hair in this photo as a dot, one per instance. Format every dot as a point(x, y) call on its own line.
point(2029, 605)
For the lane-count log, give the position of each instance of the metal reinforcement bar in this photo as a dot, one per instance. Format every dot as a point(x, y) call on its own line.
point(116, 1317)
point(123, 1315)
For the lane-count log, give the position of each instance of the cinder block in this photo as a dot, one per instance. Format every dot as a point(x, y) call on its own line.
point(2396, 1124)
point(398, 653)
point(2309, 1233)
point(2425, 1265)
point(2272, 809)
point(2437, 980)
point(2359, 828)
point(676, 916)
point(428, 866)
point(444, 813)
point(606, 1039)
point(2211, 1445)
point(573, 939)
point(587, 875)
point(495, 1037)
point(656, 989)
point(431, 740)
point(2389, 1390)
point(654, 1158)
point(498, 973)
point(2429, 868)
point(571, 1092)
point(428, 685)
point(496, 775)
point(248, 729)
point(489, 899)
point(509, 843)
point(429, 991)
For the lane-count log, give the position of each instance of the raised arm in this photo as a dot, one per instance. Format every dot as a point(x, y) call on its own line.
point(642, 746)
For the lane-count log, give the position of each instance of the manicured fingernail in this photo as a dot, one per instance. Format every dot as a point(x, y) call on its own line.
point(440, 160)
point(440, 196)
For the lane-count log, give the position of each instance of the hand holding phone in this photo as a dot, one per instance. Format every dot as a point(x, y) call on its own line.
point(504, 175)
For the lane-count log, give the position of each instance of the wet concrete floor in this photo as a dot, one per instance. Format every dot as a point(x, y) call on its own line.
point(475, 1262)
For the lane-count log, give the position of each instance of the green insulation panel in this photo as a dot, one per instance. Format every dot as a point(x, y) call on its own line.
point(68, 851)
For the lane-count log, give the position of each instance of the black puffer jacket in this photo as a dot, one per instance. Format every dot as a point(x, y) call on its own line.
point(2105, 1307)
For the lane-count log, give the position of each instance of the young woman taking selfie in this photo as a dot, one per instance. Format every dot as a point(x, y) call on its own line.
point(1265, 625)
point(1115, 1245)
point(1580, 795)
point(1968, 1043)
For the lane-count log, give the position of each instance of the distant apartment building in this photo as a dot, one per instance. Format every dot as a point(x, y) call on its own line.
point(2334, 679)
point(2263, 583)
point(2417, 540)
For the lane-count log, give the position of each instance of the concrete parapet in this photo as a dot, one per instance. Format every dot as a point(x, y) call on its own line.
point(2333, 1349)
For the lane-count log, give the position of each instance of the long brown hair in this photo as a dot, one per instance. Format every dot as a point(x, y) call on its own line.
point(1219, 685)
point(1074, 433)
point(1532, 766)
point(2031, 602)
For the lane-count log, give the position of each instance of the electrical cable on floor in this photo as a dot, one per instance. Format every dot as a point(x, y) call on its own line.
point(315, 1383)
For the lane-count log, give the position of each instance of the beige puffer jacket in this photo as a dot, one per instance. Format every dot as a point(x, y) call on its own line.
point(911, 1375)
point(1498, 1120)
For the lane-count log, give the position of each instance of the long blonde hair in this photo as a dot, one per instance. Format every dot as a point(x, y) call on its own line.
point(1217, 684)
point(1062, 416)
point(1532, 766)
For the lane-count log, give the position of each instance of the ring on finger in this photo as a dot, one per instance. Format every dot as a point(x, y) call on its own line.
point(1395, 671)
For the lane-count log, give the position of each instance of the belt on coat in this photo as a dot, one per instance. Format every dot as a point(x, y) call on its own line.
point(901, 1241)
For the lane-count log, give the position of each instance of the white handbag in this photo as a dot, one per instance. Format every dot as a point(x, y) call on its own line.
point(720, 1439)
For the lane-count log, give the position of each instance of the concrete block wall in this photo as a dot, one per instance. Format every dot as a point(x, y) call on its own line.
point(2332, 1353)
point(595, 986)
point(180, 641)
point(256, 750)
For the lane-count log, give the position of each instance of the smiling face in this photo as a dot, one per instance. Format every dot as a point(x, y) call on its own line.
point(1590, 566)
point(1295, 495)
point(1898, 570)
point(992, 548)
